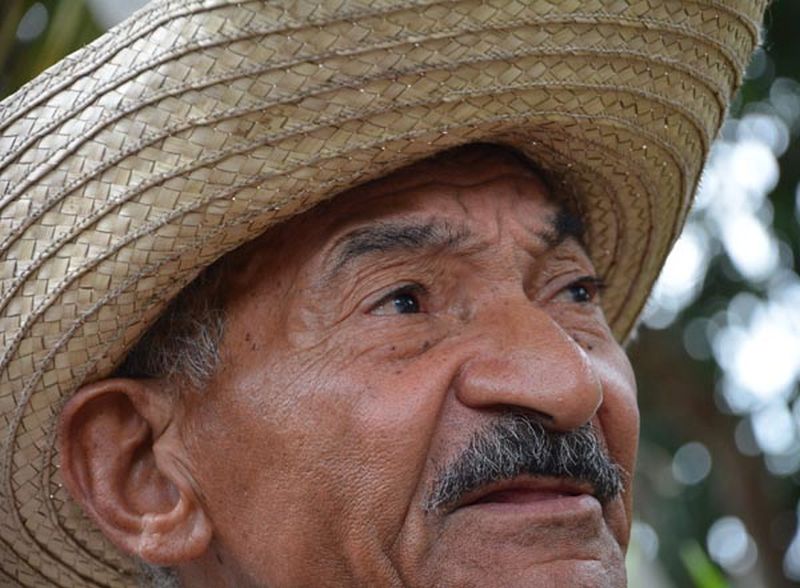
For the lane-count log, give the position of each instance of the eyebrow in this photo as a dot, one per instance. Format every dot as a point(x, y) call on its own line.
point(393, 238)
point(564, 225)
point(388, 237)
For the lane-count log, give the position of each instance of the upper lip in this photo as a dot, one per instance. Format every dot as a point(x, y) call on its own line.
point(523, 483)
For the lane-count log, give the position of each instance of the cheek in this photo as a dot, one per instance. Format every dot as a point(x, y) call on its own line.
point(586, 325)
point(619, 413)
point(377, 414)
point(618, 421)
point(385, 418)
point(338, 439)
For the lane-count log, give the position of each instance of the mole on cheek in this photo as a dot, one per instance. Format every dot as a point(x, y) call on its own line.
point(249, 339)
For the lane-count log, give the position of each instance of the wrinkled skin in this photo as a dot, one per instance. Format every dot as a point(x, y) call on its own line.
point(349, 380)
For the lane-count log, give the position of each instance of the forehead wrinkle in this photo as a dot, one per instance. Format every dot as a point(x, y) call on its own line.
point(396, 236)
point(392, 237)
point(443, 179)
point(558, 226)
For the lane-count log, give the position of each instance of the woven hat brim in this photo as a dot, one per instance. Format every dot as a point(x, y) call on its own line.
point(195, 126)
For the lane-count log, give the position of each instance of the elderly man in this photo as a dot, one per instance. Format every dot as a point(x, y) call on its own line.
point(414, 235)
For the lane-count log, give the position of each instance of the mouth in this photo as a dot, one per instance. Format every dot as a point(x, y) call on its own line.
point(529, 493)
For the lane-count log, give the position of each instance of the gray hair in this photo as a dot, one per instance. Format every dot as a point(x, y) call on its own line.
point(183, 344)
point(157, 577)
point(183, 347)
point(518, 444)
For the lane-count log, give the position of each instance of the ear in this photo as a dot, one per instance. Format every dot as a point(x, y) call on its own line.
point(122, 460)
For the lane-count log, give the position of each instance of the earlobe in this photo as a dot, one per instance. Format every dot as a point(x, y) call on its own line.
point(122, 461)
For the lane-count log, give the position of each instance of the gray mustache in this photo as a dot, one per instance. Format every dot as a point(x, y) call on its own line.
point(518, 444)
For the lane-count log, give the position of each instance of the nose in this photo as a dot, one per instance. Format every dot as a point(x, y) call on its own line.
point(522, 358)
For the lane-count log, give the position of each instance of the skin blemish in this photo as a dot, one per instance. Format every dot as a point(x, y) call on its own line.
point(248, 337)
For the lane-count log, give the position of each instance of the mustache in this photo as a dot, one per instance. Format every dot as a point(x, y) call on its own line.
point(518, 444)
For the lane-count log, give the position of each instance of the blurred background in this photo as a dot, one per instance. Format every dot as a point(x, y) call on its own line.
point(718, 355)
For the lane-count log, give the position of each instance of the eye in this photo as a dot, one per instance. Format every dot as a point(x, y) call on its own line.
point(585, 289)
point(405, 300)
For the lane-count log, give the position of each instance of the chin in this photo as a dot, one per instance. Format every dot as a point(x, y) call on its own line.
point(554, 574)
point(560, 558)
point(580, 574)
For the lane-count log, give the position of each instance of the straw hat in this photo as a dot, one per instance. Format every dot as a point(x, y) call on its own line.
point(197, 124)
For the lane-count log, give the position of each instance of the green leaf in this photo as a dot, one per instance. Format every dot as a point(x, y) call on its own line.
point(703, 572)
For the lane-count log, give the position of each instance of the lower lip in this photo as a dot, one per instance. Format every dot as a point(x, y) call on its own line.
point(535, 503)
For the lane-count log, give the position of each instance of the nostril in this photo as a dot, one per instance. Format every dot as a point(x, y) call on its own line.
point(556, 383)
point(522, 358)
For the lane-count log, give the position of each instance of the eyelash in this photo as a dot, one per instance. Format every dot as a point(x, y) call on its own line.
point(407, 289)
point(592, 284)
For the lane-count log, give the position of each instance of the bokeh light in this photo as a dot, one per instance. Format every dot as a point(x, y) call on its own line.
point(691, 463)
point(791, 561)
point(681, 278)
point(645, 538)
point(33, 23)
point(731, 546)
point(110, 12)
point(755, 337)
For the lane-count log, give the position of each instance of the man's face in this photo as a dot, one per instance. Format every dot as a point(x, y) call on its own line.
point(371, 342)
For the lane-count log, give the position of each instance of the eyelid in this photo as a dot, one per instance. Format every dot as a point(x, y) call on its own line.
point(596, 285)
point(405, 288)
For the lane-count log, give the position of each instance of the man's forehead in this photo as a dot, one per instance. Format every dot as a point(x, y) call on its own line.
point(466, 166)
point(424, 187)
point(415, 202)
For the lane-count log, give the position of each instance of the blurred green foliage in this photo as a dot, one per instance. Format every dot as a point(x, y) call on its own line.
point(69, 26)
point(703, 573)
point(680, 394)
